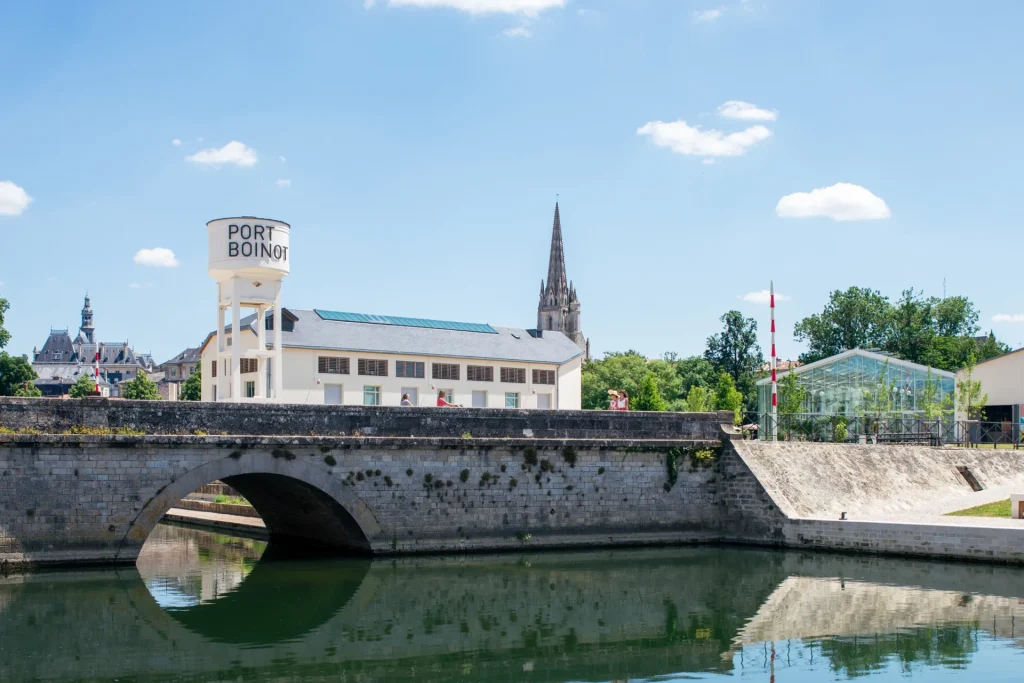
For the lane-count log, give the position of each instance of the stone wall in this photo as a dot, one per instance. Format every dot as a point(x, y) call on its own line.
point(184, 417)
point(96, 498)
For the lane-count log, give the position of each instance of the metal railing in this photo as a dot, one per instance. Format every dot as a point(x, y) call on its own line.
point(883, 429)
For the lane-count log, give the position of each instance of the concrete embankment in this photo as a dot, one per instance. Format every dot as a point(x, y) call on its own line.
point(891, 495)
point(248, 526)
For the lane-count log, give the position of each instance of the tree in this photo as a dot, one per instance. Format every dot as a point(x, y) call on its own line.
point(970, 401)
point(140, 388)
point(990, 348)
point(792, 395)
point(28, 390)
point(931, 405)
point(735, 351)
point(625, 371)
point(192, 387)
point(15, 371)
point(5, 336)
point(878, 397)
point(649, 398)
point(84, 386)
point(695, 372)
point(699, 400)
point(912, 332)
point(856, 318)
point(727, 397)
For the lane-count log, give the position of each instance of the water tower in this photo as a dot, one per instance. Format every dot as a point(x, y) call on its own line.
point(249, 258)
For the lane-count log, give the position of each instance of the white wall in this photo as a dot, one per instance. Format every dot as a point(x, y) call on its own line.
point(301, 376)
point(1001, 378)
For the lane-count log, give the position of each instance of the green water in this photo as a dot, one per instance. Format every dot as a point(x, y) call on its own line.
point(206, 607)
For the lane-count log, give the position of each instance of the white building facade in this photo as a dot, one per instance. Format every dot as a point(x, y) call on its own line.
point(352, 359)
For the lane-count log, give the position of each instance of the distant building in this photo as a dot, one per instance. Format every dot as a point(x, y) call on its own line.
point(174, 372)
point(62, 360)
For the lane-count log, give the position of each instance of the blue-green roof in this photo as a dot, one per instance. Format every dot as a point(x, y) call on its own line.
point(404, 322)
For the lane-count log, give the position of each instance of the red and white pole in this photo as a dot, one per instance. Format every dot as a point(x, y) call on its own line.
point(775, 386)
point(98, 392)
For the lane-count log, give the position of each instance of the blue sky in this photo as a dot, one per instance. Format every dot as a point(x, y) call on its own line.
point(423, 143)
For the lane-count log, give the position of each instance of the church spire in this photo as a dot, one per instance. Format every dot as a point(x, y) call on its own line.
point(557, 280)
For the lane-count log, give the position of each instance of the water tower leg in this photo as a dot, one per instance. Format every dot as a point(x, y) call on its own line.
point(236, 349)
point(278, 365)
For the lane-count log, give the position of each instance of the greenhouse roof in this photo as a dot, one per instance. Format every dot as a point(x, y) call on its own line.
point(876, 355)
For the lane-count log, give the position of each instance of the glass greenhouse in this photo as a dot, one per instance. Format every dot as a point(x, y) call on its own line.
point(862, 383)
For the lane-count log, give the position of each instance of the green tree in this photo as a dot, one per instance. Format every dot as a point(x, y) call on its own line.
point(28, 390)
point(695, 371)
point(912, 332)
point(727, 396)
point(792, 395)
point(649, 398)
point(5, 336)
point(931, 404)
point(84, 386)
point(140, 388)
point(15, 372)
point(192, 387)
point(970, 400)
point(625, 371)
point(735, 351)
point(990, 348)
point(699, 400)
point(856, 318)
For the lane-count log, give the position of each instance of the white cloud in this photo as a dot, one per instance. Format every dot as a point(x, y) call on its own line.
point(686, 139)
point(518, 32)
point(176, 142)
point(13, 199)
point(745, 111)
point(157, 257)
point(707, 162)
point(1008, 318)
point(840, 202)
point(530, 8)
point(283, 160)
point(708, 15)
point(763, 297)
point(283, 182)
point(232, 153)
point(141, 285)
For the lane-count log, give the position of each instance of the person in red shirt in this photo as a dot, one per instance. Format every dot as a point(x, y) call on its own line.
point(442, 403)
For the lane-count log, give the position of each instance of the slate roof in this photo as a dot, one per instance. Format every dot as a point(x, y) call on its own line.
point(59, 341)
point(190, 355)
point(509, 344)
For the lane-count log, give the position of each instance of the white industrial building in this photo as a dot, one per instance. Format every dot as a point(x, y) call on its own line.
point(352, 359)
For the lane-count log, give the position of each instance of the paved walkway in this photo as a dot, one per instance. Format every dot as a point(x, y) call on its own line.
point(216, 520)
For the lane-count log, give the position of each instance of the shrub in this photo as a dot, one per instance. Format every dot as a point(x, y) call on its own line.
point(464, 476)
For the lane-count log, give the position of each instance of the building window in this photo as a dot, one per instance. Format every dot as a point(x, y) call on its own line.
point(513, 375)
point(229, 341)
point(480, 373)
point(174, 373)
point(249, 365)
point(213, 369)
point(445, 371)
point(371, 396)
point(330, 365)
point(376, 368)
point(543, 376)
point(511, 399)
point(250, 389)
point(57, 355)
point(408, 368)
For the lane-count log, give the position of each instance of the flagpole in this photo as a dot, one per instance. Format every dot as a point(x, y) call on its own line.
point(775, 385)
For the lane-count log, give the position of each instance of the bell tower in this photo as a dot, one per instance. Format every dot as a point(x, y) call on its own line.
point(88, 332)
point(559, 307)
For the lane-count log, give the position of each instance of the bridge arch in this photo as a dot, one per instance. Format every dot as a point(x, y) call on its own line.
point(302, 504)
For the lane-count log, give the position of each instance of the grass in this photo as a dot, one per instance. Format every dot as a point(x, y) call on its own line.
point(997, 509)
point(230, 500)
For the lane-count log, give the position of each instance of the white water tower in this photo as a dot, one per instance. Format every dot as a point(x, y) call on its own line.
point(249, 258)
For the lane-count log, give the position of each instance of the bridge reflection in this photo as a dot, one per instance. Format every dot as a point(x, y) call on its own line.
point(585, 616)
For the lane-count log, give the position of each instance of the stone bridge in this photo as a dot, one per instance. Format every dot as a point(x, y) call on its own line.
point(86, 481)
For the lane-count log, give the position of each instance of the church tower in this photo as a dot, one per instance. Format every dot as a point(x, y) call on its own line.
point(559, 307)
point(87, 332)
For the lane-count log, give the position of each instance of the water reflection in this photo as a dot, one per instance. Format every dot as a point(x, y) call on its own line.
point(206, 607)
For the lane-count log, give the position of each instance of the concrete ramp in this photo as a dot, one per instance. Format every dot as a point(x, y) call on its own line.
point(820, 480)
